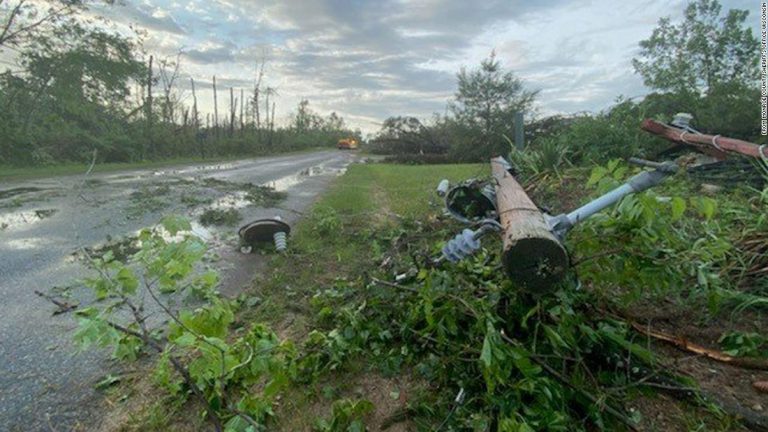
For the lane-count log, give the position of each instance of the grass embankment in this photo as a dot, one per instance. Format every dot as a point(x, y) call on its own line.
point(340, 237)
point(344, 238)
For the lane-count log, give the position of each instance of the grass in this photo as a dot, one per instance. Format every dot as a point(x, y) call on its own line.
point(9, 172)
point(338, 240)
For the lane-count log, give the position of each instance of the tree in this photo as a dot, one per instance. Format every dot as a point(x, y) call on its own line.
point(24, 19)
point(407, 135)
point(706, 65)
point(485, 103)
point(704, 51)
point(73, 97)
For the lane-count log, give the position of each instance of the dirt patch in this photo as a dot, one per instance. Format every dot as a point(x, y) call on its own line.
point(389, 397)
point(726, 385)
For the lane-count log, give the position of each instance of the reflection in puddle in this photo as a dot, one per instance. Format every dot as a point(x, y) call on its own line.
point(285, 183)
point(25, 243)
point(15, 219)
point(17, 191)
point(215, 167)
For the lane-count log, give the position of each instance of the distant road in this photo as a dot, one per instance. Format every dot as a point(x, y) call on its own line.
point(43, 381)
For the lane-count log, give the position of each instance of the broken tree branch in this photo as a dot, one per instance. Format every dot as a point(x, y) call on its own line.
point(684, 344)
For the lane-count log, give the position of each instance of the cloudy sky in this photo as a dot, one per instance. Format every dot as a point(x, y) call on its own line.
point(368, 60)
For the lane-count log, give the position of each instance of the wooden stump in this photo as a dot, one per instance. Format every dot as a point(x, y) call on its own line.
point(532, 257)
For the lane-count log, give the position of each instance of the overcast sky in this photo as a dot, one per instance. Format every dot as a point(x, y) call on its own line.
point(369, 60)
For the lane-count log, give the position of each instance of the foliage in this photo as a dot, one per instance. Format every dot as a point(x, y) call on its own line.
point(483, 111)
point(346, 416)
point(549, 155)
point(407, 135)
point(704, 51)
point(198, 355)
point(79, 89)
point(740, 344)
point(706, 65)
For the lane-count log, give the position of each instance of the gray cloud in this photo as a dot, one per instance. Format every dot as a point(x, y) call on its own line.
point(211, 55)
point(372, 59)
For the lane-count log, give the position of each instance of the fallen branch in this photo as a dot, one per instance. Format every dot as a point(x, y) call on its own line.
point(64, 307)
point(684, 344)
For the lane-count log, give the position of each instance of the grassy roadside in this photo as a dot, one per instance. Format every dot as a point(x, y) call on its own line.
point(346, 237)
point(341, 236)
point(395, 354)
point(11, 173)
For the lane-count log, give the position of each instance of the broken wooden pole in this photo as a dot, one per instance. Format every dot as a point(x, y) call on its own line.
point(533, 257)
point(716, 145)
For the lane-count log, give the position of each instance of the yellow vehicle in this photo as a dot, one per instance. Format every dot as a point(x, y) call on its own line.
point(347, 144)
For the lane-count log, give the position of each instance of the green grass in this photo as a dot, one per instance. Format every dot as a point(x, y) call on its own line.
point(8, 172)
point(337, 238)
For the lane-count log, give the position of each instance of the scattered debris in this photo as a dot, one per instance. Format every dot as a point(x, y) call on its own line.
point(748, 363)
point(64, 306)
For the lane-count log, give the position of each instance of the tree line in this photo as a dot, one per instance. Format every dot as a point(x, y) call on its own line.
point(75, 87)
point(706, 64)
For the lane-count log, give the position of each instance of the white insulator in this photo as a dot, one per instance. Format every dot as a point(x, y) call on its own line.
point(281, 241)
point(461, 246)
point(443, 187)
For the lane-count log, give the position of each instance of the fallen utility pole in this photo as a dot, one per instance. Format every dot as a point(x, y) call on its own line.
point(716, 145)
point(532, 254)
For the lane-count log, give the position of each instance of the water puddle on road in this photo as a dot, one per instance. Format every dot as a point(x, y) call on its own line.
point(285, 183)
point(196, 168)
point(23, 218)
point(8, 193)
point(234, 200)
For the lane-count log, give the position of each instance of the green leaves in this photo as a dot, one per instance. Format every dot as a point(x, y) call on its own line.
point(346, 416)
point(738, 344)
point(678, 208)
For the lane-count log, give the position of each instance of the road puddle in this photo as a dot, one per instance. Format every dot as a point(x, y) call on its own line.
point(23, 218)
point(285, 183)
point(197, 168)
point(9, 193)
point(234, 200)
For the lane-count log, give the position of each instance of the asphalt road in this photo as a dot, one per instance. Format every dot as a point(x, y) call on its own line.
point(45, 384)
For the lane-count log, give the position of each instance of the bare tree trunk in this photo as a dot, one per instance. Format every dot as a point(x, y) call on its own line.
point(195, 118)
point(215, 108)
point(266, 109)
point(256, 94)
point(149, 113)
point(232, 111)
point(242, 105)
point(272, 125)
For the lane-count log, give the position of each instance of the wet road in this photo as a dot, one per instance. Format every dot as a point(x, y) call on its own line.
point(44, 383)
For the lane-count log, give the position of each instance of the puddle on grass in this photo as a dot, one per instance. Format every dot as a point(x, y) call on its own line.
point(16, 219)
point(285, 183)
